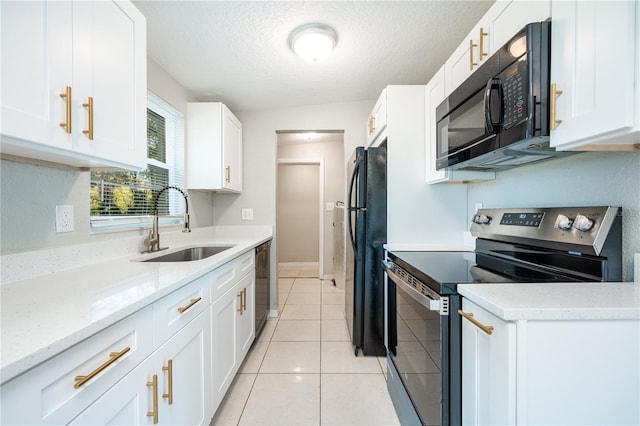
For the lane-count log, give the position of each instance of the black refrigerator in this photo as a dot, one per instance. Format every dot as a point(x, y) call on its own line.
point(366, 234)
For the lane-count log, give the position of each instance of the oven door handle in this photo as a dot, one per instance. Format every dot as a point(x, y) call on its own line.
point(432, 300)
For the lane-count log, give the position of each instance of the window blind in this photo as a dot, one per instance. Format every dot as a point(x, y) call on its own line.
point(125, 199)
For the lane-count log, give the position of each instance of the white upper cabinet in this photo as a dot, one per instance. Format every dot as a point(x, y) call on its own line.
point(74, 83)
point(435, 94)
point(377, 121)
point(595, 72)
point(214, 148)
point(503, 20)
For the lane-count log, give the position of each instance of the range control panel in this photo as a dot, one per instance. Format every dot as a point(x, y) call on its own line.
point(584, 226)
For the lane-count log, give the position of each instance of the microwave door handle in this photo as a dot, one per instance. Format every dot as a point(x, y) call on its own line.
point(493, 85)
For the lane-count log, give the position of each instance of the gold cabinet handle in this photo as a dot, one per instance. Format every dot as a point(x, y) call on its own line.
point(554, 95)
point(372, 125)
point(169, 370)
point(481, 50)
point(244, 299)
point(240, 306)
point(113, 357)
point(67, 98)
point(183, 309)
point(228, 174)
point(89, 106)
point(471, 46)
point(486, 328)
point(154, 385)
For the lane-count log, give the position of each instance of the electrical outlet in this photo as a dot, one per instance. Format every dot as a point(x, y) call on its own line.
point(64, 219)
point(330, 206)
point(247, 214)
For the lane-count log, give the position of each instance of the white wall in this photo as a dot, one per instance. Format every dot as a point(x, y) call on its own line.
point(29, 193)
point(592, 178)
point(260, 159)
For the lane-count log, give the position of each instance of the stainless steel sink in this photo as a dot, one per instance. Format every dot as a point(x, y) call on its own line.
point(189, 254)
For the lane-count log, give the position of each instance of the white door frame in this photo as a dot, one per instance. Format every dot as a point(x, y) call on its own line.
point(320, 162)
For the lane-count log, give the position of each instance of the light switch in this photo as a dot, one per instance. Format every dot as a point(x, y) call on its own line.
point(247, 214)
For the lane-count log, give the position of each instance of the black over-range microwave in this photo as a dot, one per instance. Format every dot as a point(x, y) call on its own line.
point(499, 117)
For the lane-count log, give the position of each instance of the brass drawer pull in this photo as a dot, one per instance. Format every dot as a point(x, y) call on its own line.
point(169, 370)
point(554, 94)
point(193, 302)
point(244, 299)
point(113, 357)
point(228, 172)
point(372, 125)
point(67, 98)
point(154, 384)
point(481, 49)
point(486, 328)
point(471, 46)
point(240, 305)
point(89, 106)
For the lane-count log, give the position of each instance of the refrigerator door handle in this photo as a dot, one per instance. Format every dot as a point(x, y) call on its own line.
point(352, 208)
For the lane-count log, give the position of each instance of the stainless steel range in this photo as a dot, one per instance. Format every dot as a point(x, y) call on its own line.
point(423, 328)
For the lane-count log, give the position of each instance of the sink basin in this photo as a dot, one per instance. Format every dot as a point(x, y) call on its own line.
point(189, 254)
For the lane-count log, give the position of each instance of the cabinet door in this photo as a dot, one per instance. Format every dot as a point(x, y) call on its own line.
point(377, 119)
point(184, 369)
point(592, 64)
point(503, 23)
point(127, 403)
point(110, 67)
point(231, 151)
point(52, 393)
point(488, 369)
point(246, 316)
point(35, 71)
point(224, 346)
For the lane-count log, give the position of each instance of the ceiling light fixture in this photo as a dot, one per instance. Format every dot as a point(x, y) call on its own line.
point(313, 42)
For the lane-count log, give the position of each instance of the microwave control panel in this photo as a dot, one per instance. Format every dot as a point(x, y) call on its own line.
point(514, 93)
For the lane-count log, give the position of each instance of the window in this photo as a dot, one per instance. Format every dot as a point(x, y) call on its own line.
point(125, 199)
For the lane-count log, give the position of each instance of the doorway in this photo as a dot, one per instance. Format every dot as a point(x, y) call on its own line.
point(310, 180)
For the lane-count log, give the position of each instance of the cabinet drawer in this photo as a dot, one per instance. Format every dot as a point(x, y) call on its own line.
point(51, 393)
point(224, 277)
point(174, 311)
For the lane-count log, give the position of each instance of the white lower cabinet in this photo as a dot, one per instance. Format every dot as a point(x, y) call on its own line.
point(233, 333)
point(488, 369)
point(59, 389)
point(169, 363)
point(541, 372)
point(168, 388)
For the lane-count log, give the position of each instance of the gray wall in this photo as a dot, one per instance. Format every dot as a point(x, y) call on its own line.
point(591, 178)
point(29, 193)
point(298, 212)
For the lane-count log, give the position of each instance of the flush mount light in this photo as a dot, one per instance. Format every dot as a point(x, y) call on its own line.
point(313, 42)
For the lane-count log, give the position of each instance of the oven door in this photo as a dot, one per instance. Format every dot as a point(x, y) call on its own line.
point(417, 320)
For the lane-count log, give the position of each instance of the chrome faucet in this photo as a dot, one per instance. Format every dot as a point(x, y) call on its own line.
point(153, 241)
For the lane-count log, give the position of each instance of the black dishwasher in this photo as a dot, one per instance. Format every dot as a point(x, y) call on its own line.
point(262, 286)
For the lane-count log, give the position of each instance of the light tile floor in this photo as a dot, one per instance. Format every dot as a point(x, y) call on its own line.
point(302, 370)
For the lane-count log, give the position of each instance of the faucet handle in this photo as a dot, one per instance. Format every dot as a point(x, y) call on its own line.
point(186, 228)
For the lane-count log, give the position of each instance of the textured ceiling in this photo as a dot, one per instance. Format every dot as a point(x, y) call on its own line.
point(237, 52)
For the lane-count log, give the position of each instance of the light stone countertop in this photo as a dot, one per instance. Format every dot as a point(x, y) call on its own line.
point(562, 301)
point(43, 315)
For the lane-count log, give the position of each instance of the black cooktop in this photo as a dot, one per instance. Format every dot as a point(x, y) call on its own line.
point(443, 270)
